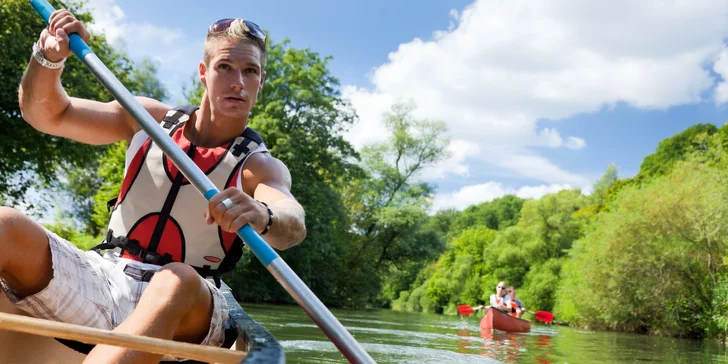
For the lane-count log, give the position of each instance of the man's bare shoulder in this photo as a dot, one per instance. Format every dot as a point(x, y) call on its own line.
point(155, 108)
point(264, 168)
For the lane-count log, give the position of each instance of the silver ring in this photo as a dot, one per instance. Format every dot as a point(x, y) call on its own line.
point(228, 203)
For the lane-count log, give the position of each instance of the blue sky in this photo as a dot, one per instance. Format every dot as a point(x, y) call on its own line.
point(537, 96)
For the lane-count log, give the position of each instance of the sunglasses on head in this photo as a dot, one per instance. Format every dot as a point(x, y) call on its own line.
point(222, 25)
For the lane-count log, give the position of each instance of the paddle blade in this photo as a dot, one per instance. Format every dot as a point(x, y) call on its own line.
point(465, 310)
point(544, 316)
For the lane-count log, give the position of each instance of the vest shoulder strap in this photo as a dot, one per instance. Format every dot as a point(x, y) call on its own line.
point(177, 115)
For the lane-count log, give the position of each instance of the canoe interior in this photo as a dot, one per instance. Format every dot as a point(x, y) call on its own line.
point(497, 320)
point(256, 341)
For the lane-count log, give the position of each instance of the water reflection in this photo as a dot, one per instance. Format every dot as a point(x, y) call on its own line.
point(544, 344)
point(508, 347)
point(401, 338)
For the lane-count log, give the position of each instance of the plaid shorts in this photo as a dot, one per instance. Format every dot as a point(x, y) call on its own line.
point(93, 291)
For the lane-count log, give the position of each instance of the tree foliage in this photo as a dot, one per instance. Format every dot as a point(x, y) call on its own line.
point(388, 205)
point(31, 158)
point(650, 263)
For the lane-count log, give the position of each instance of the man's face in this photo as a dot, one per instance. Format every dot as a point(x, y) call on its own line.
point(233, 77)
point(501, 289)
point(512, 293)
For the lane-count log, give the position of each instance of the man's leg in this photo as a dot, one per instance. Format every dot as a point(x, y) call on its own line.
point(25, 257)
point(177, 305)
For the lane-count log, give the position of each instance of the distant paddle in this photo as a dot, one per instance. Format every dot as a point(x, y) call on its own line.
point(547, 317)
point(465, 310)
point(544, 316)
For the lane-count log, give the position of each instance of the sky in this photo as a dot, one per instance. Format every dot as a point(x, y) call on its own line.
point(538, 96)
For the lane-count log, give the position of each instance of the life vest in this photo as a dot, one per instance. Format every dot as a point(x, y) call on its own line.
point(498, 300)
point(514, 306)
point(158, 216)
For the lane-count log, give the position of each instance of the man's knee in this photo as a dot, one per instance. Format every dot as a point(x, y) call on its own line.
point(18, 235)
point(176, 281)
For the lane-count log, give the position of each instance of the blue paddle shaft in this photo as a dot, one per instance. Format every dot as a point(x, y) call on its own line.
point(77, 45)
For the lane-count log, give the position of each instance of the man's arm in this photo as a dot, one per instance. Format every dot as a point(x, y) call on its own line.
point(271, 181)
point(46, 106)
point(268, 180)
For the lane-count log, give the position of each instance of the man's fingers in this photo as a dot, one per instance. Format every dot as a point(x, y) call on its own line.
point(75, 27)
point(61, 21)
point(61, 37)
point(219, 197)
point(53, 19)
point(239, 222)
point(228, 220)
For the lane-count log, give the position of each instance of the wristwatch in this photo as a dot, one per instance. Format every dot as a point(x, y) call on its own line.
point(38, 55)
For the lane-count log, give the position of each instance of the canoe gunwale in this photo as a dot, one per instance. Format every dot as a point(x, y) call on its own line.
point(261, 345)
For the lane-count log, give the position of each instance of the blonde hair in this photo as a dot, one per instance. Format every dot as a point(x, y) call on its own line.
point(237, 31)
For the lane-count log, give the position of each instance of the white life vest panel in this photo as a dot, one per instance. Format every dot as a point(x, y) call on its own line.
point(158, 215)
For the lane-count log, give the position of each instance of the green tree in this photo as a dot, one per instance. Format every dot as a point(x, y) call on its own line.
point(601, 187)
point(31, 158)
point(102, 176)
point(498, 214)
point(388, 207)
point(651, 263)
point(459, 276)
point(676, 148)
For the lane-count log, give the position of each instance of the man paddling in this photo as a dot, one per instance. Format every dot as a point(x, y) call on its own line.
point(516, 304)
point(500, 299)
point(162, 237)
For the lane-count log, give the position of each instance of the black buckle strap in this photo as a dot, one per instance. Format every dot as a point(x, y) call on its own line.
point(139, 274)
point(133, 247)
point(111, 203)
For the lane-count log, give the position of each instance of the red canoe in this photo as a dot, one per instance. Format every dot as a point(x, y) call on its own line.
point(497, 320)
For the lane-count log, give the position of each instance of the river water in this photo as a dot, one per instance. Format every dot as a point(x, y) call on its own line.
point(400, 337)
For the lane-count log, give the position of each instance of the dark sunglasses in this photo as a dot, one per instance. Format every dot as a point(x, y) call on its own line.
point(222, 25)
point(501, 287)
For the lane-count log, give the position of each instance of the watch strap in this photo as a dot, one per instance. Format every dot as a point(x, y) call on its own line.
point(38, 56)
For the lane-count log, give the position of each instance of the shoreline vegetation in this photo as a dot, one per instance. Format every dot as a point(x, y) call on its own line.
point(645, 254)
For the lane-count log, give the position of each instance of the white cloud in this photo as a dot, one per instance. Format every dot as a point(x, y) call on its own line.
point(501, 66)
point(472, 195)
point(575, 143)
point(721, 68)
point(459, 151)
point(174, 50)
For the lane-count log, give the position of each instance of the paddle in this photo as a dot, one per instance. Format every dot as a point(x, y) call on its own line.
point(544, 316)
point(465, 310)
point(547, 317)
point(287, 278)
point(35, 326)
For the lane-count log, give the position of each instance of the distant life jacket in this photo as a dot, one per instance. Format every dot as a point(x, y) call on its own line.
point(158, 216)
point(514, 307)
